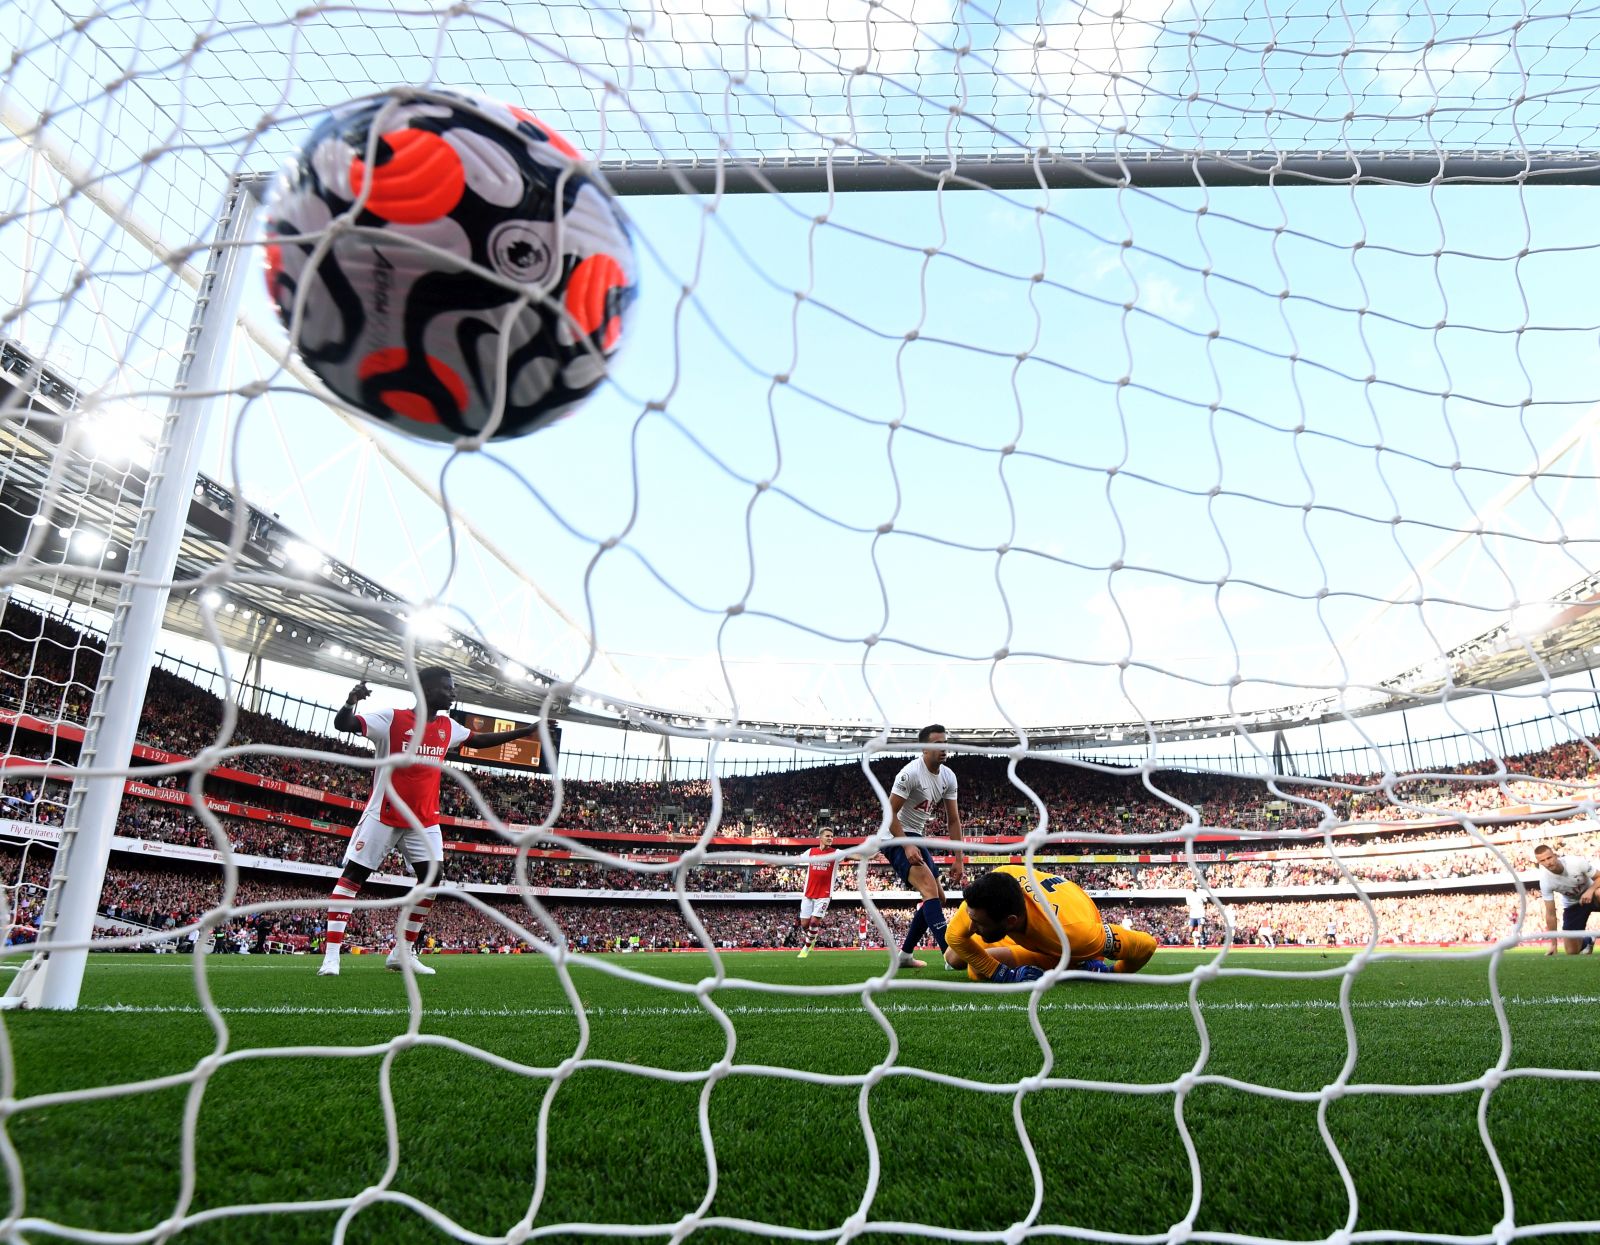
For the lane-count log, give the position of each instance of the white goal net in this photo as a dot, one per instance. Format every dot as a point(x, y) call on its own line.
point(1190, 407)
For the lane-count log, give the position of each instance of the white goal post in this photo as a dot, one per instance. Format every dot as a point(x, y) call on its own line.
point(54, 977)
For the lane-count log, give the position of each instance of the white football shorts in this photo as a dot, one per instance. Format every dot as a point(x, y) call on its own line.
point(372, 842)
point(814, 907)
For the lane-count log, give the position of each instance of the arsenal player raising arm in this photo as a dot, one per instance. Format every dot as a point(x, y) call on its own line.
point(413, 787)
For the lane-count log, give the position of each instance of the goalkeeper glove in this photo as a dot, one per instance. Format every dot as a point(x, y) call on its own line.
point(1095, 966)
point(1007, 975)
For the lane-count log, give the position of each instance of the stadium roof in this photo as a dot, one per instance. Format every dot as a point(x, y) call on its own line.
point(278, 603)
point(284, 602)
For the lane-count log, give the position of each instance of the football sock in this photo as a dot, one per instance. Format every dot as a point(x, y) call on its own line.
point(338, 920)
point(414, 921)
point(932, 914)
point(1136, 948)
point(919, 926)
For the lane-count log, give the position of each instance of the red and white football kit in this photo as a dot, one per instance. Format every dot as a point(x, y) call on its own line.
point(414, 787)
point(819, 885)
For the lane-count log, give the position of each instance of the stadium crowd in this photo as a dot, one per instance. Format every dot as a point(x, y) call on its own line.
point(48, 668)
point(172, 898)
point(656, 871)
point(1309, 866)
point(149, 896)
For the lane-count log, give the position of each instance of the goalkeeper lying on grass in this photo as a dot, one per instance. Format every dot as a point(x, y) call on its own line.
point(1002, 933)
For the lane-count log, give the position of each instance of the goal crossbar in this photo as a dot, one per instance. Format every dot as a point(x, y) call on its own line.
point(1148, 169)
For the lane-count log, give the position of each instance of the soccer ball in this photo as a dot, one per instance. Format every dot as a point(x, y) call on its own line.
point(477, 231)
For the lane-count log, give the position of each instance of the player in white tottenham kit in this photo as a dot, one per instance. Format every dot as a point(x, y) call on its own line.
point(1574, 882)
point(819, 892)
point(1196, 904)
point(921, 789)
point(413, 787)
point(1264, 933)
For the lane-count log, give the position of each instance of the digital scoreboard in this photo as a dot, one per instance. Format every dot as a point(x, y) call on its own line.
point(518, 754)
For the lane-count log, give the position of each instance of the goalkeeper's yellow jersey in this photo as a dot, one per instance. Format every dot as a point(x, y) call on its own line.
point(1086, 933)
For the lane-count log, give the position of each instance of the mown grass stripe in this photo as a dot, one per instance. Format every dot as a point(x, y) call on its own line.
point(805, 1007)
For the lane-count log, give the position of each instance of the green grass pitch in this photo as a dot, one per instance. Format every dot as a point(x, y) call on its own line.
point(624, 1148)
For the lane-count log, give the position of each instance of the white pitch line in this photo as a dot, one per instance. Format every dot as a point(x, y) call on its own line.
point(806, 1008)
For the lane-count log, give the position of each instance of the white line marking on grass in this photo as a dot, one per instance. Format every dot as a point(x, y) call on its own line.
point(806, 1008)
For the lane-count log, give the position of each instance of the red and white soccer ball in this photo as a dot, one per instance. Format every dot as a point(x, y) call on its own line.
point(400, 316)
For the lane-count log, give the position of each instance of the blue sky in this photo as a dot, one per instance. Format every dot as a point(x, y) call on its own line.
point(1100, 472)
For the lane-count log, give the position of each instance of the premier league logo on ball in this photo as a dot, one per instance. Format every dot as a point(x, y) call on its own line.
point(446, 264)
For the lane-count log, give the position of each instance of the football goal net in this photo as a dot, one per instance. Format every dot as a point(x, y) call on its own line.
point(1189, 408)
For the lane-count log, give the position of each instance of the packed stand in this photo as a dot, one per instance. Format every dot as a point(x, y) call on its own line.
point(153, 898)
point(47, 667)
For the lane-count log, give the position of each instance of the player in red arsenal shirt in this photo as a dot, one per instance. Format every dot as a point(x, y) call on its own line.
point(383, 822)
point(819, 892)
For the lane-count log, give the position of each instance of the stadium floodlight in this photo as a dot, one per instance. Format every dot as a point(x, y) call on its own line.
point(430, 624)
point(122, 435)
point(211, 599)
point(514, 671)
point(302, 556)
point(87, 543)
